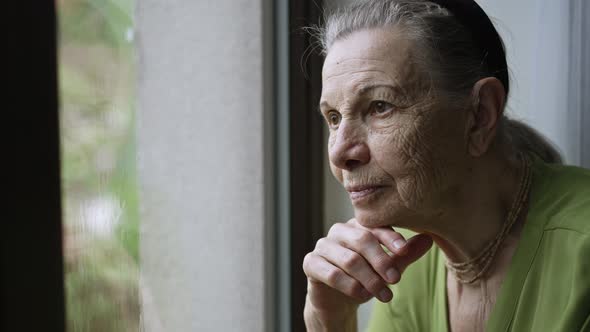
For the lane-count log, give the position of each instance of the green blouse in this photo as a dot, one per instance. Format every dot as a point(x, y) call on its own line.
point(547, 286)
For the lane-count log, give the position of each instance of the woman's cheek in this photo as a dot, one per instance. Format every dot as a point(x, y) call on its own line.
point(401, 152)
point(391, 148)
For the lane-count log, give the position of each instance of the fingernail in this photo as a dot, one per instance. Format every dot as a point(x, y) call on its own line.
point(385, 295)
point(392, 275)
point(399, 243)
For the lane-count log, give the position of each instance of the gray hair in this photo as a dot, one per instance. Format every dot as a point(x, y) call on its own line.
point(450, 54)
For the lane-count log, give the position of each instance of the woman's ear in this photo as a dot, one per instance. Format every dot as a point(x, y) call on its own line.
point(489, 98)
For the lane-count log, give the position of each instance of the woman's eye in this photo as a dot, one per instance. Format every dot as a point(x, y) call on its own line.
point(380, 107)
point(333, 118)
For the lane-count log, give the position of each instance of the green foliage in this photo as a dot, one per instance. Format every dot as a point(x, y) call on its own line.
point(96, 21)
point(97, 84)
point(124, 184)
point(102, 291)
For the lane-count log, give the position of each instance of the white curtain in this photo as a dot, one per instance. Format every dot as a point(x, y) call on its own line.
point(547, 50)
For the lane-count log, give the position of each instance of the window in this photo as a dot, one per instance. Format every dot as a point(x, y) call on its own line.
point(193, 180)
point(100, 198)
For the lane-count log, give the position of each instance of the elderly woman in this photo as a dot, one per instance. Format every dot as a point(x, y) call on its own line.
point(414, 94)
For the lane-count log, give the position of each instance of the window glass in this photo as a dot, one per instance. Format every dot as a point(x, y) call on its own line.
point(97, 82)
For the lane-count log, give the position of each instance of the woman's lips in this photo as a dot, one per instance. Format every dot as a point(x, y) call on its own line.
point(361, 193)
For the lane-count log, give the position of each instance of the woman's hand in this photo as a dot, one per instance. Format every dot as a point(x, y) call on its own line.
point(348, 267)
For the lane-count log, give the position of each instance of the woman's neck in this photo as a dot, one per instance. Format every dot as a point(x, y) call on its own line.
point(478, 212)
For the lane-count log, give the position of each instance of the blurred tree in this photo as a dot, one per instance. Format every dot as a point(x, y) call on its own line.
point(101, 219)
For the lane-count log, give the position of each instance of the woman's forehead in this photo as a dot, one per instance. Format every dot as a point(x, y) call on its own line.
point(370, 57)
point(378, 53)
point(383, 44)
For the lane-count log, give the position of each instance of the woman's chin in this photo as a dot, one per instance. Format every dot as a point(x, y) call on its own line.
point(371, 219)
point(384, 217)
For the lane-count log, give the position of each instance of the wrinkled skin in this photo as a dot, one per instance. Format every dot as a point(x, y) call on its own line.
point(415, 148)
point(435, 166)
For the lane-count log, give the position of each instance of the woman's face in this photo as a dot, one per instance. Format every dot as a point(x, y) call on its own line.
point(397, 150)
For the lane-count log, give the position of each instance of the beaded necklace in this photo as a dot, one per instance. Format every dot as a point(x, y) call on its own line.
point(473, 269)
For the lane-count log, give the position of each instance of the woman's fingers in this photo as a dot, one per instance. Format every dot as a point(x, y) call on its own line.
point(406, 251)
point(418, 245)
point(363, 242)
point(392, 240)
point(356, 266)
point(318, 269)
point(350, 260)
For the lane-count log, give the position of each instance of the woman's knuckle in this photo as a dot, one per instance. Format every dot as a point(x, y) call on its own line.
point(307, 261)
point(334, 229)
point(362, 238)
point(352, 260)
point(351, 288)
point(320, 243)
point(333, 276)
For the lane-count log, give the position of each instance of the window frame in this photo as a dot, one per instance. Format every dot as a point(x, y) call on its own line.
point(32, 255)
point(33, 277)
point(299, 155)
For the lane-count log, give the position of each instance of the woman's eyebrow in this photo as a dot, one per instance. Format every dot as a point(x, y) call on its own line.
point(368, 87)
point(361, 90)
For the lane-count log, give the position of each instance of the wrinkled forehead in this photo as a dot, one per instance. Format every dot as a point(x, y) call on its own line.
point(383, 44)
point(370, 56)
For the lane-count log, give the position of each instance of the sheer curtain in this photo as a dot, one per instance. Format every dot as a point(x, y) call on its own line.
point(547, 52)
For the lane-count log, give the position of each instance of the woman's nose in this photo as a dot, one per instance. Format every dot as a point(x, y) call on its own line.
point(349, 149)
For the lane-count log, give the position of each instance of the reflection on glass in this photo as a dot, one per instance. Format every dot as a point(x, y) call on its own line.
point(96, 68)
